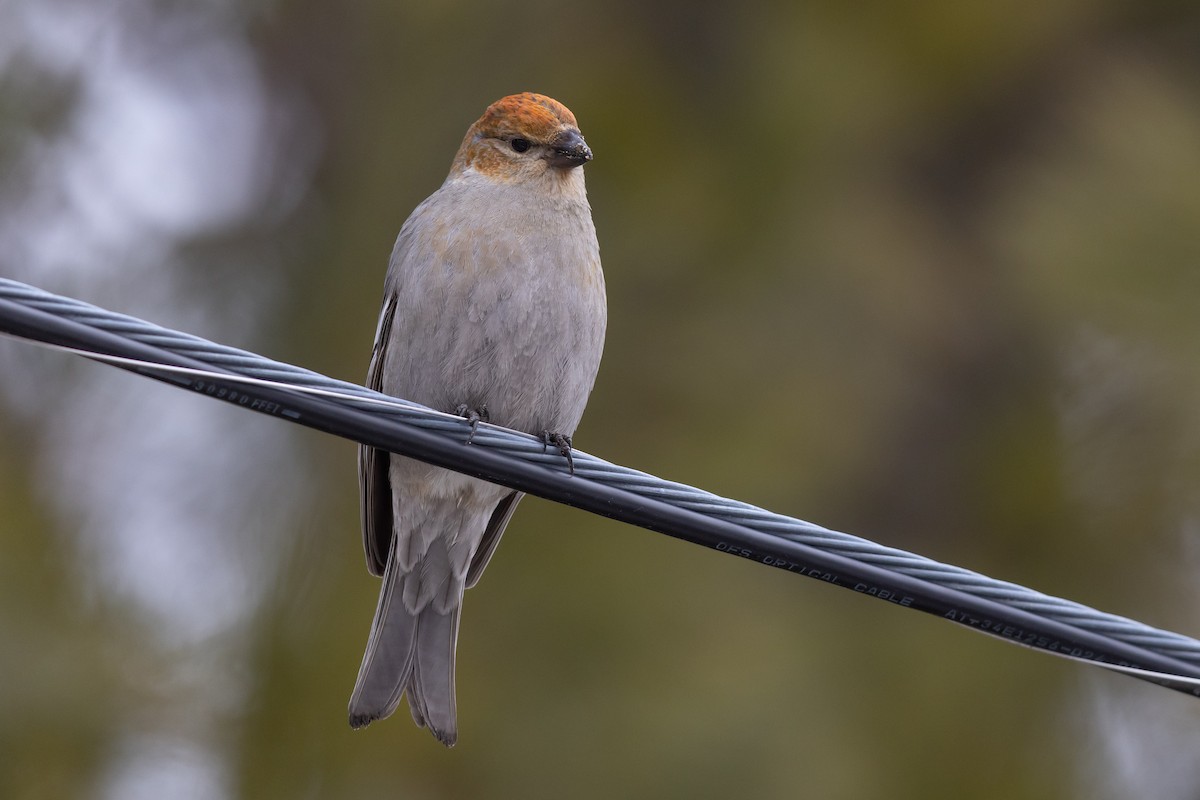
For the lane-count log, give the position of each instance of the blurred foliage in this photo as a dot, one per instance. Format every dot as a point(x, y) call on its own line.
point(927, 272)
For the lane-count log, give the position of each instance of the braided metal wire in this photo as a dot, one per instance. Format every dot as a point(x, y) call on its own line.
point(529, 448)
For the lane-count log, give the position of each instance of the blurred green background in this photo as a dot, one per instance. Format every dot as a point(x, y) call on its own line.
point(927, 272)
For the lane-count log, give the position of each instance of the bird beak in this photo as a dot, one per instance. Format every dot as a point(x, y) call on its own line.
point(569, 150)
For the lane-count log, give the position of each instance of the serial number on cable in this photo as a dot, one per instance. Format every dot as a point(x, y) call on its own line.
point(234, 396)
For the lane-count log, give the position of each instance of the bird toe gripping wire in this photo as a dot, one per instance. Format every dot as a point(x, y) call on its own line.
point(1008, 611)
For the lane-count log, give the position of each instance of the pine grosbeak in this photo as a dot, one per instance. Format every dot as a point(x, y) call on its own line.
point(494, 309)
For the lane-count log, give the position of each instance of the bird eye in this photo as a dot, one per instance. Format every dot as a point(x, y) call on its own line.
point(520, 145)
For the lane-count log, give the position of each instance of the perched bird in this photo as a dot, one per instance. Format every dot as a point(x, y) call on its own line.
point(494, 309)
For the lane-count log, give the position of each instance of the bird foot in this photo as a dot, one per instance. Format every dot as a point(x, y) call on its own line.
point(473, 417)
point(563, 443)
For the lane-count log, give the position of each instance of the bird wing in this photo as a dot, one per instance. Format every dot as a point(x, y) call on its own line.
point(491, 536)
point(375, 490)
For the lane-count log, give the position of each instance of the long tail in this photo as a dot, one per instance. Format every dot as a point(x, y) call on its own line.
point(409, 653)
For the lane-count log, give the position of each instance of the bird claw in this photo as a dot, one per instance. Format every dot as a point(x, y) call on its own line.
point(563, 443)
point(473, 417)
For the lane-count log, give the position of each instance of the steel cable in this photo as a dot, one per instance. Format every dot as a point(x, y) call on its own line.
point(1010, 611)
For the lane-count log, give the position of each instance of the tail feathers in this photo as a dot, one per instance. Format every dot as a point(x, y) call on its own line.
point(431, 685)
point(411, 653)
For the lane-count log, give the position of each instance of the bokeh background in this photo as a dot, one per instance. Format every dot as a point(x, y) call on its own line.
point(928, 272)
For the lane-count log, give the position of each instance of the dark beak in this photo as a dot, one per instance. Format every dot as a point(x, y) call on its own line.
point(568, 150)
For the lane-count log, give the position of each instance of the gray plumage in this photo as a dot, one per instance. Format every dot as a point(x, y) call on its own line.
point(494, 298)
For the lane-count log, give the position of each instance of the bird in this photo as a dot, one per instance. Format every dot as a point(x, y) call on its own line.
point(495, 310)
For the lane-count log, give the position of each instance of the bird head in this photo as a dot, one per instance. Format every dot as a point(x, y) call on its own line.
point(524, 136)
